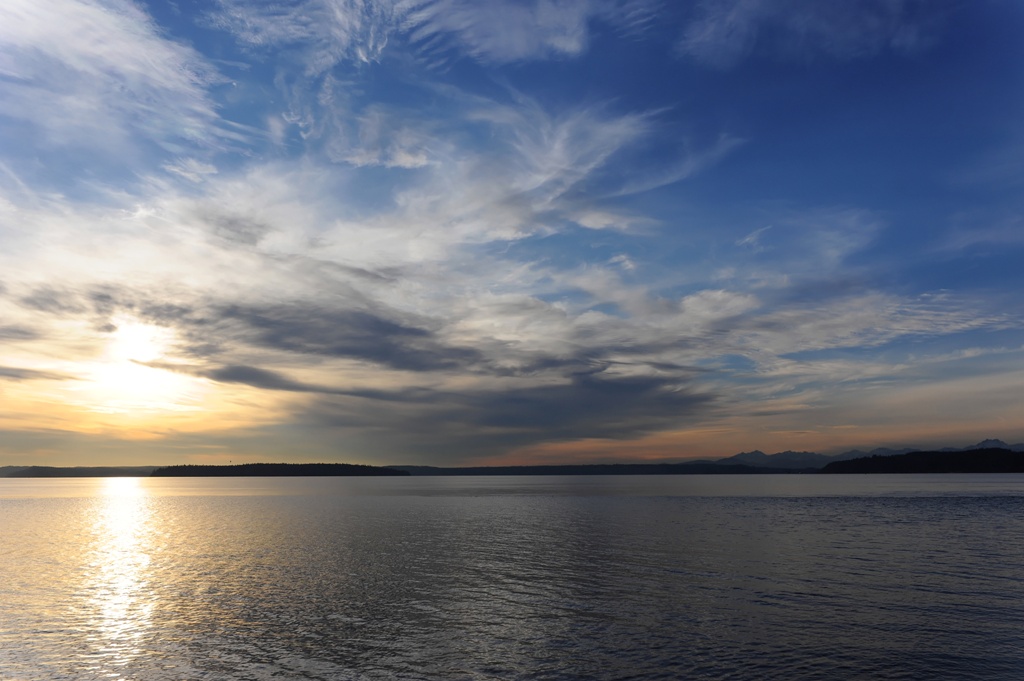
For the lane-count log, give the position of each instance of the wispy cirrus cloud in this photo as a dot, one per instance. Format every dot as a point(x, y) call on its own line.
point(505, 31)
point(323, 32)
point(983, 230)
point(722, 33)
point(688, 163)
point(98, 73)
point(326, 32)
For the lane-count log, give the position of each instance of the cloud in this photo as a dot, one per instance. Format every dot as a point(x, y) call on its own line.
point(688, 164)
point(753, 239)
point(614, 407)
point(352, 334)
point(17, 333)
point(533, 174)
point(255, 377)
point(449, 427)
point(387, 140)
point(48, 299)
point(623, 261)
point(550, 155)
point(191, 169)
point(473, 350)
point(808, 244)
point(261, 378)
point(504, 31)
point(603, 219)
point(95, 73)
point(724, 32)
point(324, 31)
point(327, 32)
point(865, 321)
point(20, 374)
point(983, 230)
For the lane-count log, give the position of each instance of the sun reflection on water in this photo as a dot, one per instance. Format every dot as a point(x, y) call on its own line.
point(119, 606)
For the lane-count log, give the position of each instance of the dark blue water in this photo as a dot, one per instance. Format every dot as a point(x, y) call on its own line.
point(703, 577)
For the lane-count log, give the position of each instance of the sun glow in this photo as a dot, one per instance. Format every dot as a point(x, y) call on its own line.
point(129, 382)
point(123, 380)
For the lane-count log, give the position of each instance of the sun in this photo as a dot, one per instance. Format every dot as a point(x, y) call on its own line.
point(126, 379)
point(132, 381)
point(137, 342)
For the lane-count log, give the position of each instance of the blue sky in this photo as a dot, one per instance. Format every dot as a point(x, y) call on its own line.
point(445, 231)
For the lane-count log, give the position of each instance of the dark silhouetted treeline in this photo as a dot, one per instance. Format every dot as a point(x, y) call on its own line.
point(971, 461)
point(81, 472)
point(601, 469)
point(274, 469)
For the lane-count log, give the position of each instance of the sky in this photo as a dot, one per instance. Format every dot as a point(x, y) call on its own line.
point(517, 231)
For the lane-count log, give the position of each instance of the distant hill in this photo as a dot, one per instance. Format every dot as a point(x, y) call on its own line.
point(808, 460)
point(699, 468)
point(878, 451)
point(980, 460)
point(275, 469)
point(79, 472)
point(788, 459)
point(996, 444)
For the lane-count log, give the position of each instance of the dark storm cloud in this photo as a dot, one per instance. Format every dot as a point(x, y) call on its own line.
point(586, 406)
point(266, 379)
point(354, 334)
point(453, 426)
point(259, 378)
point(243, 375)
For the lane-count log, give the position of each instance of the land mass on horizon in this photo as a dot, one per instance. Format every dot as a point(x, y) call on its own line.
point(274, 470)
point(989, 460)
point(988, 456)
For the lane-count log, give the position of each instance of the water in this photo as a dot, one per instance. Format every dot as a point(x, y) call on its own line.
point(695, 577)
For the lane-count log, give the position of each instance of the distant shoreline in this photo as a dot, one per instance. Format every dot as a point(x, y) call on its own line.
point(276, 470)
point(990, 460)
point(982, 460)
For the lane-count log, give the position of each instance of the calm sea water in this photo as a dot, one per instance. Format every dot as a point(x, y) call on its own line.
point(693, 577)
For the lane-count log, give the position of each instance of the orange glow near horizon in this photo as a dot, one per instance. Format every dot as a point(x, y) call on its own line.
point(716, 443)
point(110, 389)
point(113, 387)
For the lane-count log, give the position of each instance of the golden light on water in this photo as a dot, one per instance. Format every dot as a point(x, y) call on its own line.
point(119, 606)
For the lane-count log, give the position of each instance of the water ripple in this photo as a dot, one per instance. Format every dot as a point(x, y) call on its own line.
point(130, 584)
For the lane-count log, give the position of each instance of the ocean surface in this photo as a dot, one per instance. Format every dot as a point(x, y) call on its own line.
point(669, 577)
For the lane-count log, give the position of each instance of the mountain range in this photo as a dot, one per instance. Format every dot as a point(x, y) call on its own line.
point(801, 460)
